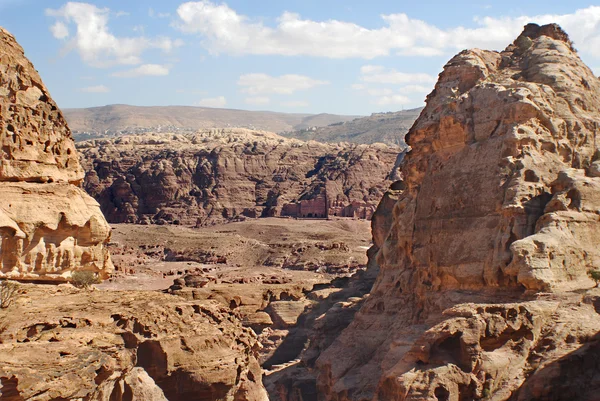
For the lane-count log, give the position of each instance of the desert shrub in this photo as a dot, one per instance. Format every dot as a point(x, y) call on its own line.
point(8, 293)
point(84, 278)
point(595, 275)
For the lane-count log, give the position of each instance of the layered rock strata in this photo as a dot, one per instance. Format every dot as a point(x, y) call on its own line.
point(218, 176)
point(59, 343)
point(49, 226)
point(483, 290)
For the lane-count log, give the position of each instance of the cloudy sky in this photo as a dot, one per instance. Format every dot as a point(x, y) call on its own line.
point(336, 56)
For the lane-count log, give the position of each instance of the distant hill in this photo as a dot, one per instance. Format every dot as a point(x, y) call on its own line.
point(389, 128)
point(119, 118)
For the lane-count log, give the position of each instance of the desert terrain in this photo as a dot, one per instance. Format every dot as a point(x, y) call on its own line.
point(222, 264)
point(119, 119)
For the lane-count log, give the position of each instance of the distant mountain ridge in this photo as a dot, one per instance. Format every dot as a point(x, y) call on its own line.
point(389, 128)
point(120, 118)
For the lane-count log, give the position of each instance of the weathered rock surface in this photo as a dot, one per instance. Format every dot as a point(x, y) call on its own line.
point(48, 225)
point(62, 343)
point(483, 290)
point(219, 175)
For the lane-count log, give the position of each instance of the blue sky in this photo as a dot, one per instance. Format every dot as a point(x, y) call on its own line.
point(345, 57)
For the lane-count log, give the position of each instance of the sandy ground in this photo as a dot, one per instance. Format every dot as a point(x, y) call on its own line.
point(150, 257)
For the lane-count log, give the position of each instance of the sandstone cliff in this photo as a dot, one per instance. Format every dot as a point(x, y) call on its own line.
point(483, 290)
point(218, 175)
point(49, 226)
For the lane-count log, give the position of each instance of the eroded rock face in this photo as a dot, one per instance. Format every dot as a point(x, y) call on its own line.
point(500, 204)
point(216, 176)
point(67, 344)
point(49, 226)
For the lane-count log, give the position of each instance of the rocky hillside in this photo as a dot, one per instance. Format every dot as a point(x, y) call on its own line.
point(484, 249)
point(389, 128)
point(116, 119)
point(221, 175)
point(60, 343)
point(49, 225)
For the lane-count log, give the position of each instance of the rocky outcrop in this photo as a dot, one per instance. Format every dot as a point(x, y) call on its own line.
point(221, 175)
point(62, 343)
point(483, 290)
point(49, 226)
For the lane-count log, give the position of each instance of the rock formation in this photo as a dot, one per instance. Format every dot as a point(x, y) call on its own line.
point(59, 343)
point(49, 226)
point(219, 175)
point(483, 290)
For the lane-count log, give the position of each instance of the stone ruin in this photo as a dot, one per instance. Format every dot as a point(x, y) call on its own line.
point(321, 207)
point(49, 226)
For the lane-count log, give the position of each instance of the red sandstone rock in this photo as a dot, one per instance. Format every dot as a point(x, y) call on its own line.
point(223, 175)
point(482, 251)
point(49, 227)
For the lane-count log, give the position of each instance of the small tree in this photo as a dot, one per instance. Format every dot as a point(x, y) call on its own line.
point(8, 290)
point(595, 275)
point(84, 278)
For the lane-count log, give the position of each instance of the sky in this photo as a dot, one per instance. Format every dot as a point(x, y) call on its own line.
point(327, 56)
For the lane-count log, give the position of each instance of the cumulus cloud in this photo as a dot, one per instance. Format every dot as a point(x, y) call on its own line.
point(257, 100)
point(224, 30)
point(93, 40)
point(382, 75)
point(142, 70)
point(255, 84)
point(59, 30)
point(95, 89)
point(215, 102)
point(389, 87)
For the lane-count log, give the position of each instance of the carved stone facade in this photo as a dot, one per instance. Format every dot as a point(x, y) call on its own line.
point(321, 207)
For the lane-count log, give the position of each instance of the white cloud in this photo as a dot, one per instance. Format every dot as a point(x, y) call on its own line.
point(93, 40)
point(388, 87)
point(255, 84)
point(223, 30)
point(381, 75)
point(59, 30)
point(416, 89)
point(379, 91)
point(258, 100)
point(144, 69)
point(95, 89)
point(216, 102)
point(121, 14)
point(297, 104)
point(154, 14)
point(392, 100)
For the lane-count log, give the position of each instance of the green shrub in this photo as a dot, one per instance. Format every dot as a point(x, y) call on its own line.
point(8, 292)
point(84, 278)
point(595, 275)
